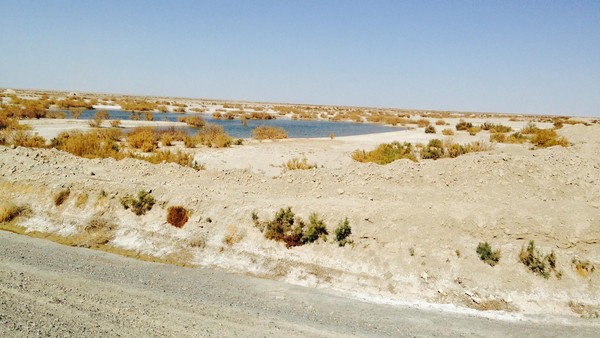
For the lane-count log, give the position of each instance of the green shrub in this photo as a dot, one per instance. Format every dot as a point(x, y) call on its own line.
point(484, 250)
point(434, 150)
point(287, 228)
point(342, 232)
point(140, 205)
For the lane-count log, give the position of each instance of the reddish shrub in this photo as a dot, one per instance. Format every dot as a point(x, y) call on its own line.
point(177, 216)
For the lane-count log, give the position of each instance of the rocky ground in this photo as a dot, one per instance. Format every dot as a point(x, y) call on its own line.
point(415, 226)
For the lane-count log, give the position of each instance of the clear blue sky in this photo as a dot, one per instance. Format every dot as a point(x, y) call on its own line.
point(503, 56)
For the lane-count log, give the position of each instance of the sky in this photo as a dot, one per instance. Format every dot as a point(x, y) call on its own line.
point(538, 57)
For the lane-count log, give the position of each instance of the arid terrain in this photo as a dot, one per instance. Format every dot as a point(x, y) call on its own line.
point(416, 225)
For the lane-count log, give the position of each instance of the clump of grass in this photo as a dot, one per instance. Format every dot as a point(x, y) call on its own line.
point(141, 204)
point(583, 267)
point(342, 232)
point(22, 138)
point(143, 138)
point(81, 200)
point(386, 153)
point(166, 156)
point(473, 130)
point(177, 216)
point(537, 262)
point(484, 250)
point(430, 129)
point(299, 164)
point(447, 132)
point(10, 211)
point(293, 231)
point(61, 197)
point(269, 133)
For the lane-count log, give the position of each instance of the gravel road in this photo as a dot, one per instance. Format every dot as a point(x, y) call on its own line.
point(48, 289)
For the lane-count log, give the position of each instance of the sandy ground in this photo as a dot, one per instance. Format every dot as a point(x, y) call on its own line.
point(53, 290)
point(415, 226)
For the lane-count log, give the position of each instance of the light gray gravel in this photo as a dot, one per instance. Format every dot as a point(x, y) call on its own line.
point(51, 290)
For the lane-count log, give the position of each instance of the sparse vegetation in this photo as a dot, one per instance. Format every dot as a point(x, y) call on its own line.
point(177, 216)
point(99, 117)
point(194, 121)
point(212, 135)
point(269, 133)
point(143, 138)
point(495, 128)
point(537, 262)
point(484, 250)
point(141, 204)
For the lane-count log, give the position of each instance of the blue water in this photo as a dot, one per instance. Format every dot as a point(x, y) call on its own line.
point(235, 128)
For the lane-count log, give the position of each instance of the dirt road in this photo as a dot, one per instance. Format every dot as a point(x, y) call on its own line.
point(51, 290)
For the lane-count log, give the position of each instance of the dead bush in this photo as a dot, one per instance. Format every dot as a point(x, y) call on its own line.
point(9, 211)
point(299, 164)
point(177, 216)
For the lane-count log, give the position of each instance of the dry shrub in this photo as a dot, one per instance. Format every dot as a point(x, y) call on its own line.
point(92, 144)
point(463, 125)
point(233, 236)
point(213, 135)
point(81, 200)
point(473, 130)
point(61, 197)
point(9, 211)
point(269, 133)
point(583, 267)
point(585, 310)
point(194, 121)
point(537, 262)
point(97, 231)
point(386, 153)
point(115, 123)
point(421, 123)
point(544, 138)
point(22, 138)
point(430, 129)
point(447, 132)
point(148, 116)
point(165, 156)
point(100, 116)
point(56, 115)
point(261, 116)
point(166, 140)
point(440, 123)
point(486, 254)
point(299, 164)
point(143, 138)
point(7, 122)
point(177, 216)
point(495, 128)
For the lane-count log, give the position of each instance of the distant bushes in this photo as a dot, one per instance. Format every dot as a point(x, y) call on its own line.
point(463, 125)
point(194, 121)
point(269, 133)
point(540, 138)
point(495, 128)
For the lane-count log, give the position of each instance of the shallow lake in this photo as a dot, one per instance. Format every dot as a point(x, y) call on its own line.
point(235, 128)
